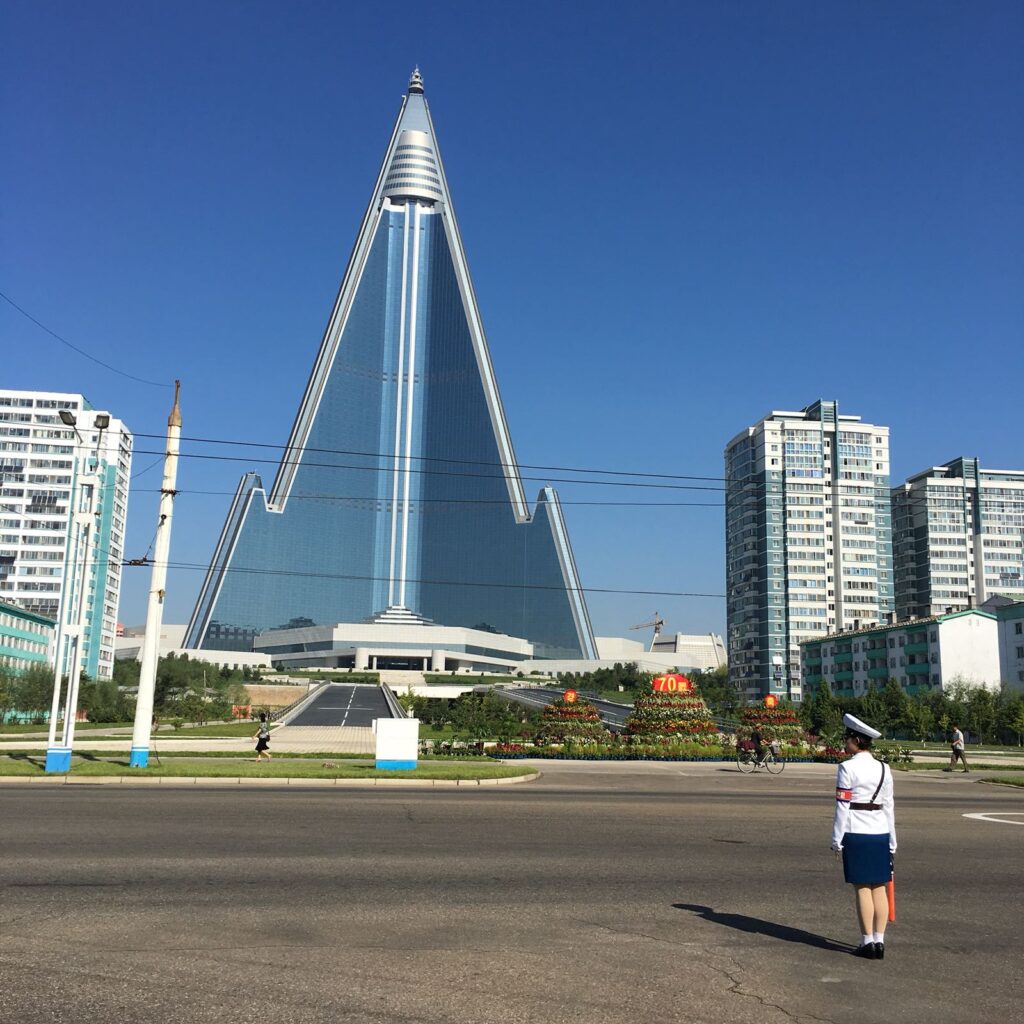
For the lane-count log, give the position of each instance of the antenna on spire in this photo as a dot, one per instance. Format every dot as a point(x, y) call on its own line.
point(416, 80)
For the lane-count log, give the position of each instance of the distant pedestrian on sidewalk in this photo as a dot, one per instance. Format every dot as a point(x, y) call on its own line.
point(262, 737)
point(957, 747)
point(864, 832)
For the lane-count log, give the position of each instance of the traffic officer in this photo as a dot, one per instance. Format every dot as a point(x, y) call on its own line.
point(864, 831)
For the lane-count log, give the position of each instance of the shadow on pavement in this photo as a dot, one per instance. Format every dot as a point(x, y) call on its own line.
point(756, 926)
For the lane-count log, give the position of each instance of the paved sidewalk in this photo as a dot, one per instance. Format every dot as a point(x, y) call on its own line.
point(286, 739)
point(269, 780)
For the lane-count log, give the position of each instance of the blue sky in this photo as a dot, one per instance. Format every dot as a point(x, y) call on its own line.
point(678, 216)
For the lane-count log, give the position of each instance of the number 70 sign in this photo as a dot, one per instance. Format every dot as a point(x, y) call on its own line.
point(671, 683)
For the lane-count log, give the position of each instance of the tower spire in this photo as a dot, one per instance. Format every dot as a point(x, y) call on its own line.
point(416, 80)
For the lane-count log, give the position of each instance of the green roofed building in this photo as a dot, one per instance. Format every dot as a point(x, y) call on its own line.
point(920, 654)
point(26, 638)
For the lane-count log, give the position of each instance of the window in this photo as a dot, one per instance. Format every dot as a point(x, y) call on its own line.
point(1019, 628)
point(1020, 652)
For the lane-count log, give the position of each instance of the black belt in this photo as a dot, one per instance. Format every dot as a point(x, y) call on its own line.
point(865, 807)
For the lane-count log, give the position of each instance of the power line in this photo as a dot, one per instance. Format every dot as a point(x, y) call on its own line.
point(251, 570)
point(435, 472)
point(80, 351)
point(155, 462)
point(453, 501)
point(302, 449)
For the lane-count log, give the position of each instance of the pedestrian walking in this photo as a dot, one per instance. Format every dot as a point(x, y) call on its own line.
point(262, 737)
point(864, 832)
point(957, 747)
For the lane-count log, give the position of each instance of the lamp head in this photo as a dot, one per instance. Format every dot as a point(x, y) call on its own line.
point(102, 421)
point(67, 417)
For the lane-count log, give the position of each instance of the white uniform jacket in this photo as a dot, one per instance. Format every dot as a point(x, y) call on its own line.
point(856, 781)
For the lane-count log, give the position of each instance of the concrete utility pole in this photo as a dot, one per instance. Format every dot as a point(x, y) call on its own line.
point(158, 581)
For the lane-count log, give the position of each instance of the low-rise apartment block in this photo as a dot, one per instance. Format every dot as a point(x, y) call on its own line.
point(920, 654)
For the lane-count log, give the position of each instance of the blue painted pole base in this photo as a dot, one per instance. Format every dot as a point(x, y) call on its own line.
point(395, 766)
point(139, 757)
point(58, 759)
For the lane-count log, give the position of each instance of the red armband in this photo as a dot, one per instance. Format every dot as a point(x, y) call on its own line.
point(844, 794)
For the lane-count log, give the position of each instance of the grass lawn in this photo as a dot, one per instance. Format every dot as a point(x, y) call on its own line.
point(974, 767)
point(224, 729)
point(17, 728)
point(156, 751)
point(278, 769)
point(1006, 780)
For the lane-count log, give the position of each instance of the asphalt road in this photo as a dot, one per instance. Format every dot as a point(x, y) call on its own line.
point(603, 893)
point(341, 704)
point(613, 715)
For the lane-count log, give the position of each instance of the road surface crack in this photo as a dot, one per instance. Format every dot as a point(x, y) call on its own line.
point(735, 983)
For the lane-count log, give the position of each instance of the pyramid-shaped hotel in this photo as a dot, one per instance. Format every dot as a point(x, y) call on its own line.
point(398, 522)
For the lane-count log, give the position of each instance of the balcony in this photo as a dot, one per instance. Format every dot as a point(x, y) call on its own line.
point(918, 668)
point(879, 672)
point(919, 648)
point(844, 656)
point(813, 662)
point(843, 676)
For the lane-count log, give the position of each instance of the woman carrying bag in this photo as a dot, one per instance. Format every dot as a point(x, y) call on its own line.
point(864, 832)
point(262, 737)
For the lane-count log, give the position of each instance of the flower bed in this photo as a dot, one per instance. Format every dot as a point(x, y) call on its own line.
point(779, 724)
point(575, 720)
point(660, 713)
point(638, 752)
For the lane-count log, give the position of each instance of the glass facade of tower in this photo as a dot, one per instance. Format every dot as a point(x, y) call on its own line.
point(401, 496)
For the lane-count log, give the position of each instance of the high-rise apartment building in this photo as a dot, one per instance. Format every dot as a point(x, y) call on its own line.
point(958, 538)
point(808, 539)
point(43, 551)
point(398, 498)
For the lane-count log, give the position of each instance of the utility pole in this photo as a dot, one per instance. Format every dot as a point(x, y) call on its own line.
point(157, 586)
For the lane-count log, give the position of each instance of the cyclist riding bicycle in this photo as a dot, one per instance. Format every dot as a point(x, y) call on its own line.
point(759, 751)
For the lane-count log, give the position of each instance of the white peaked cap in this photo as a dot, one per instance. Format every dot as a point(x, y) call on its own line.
point(854, 724)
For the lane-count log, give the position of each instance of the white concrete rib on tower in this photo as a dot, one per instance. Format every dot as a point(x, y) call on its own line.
point(412, 173)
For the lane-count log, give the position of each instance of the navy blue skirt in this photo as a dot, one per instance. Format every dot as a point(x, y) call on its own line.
point(866, 859)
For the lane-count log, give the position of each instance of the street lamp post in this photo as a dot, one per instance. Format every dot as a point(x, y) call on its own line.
point(74, 591)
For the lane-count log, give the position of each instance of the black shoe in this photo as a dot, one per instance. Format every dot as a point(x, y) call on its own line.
point(879, 950)
point(867, 951)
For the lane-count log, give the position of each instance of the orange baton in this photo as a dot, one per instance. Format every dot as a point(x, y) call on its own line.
point(890, 892)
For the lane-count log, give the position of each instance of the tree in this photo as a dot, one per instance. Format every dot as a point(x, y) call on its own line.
point(717, 691)
point(920, 720)
point(1016, 721)
point(6, 693)
point(823, 717)
point(896, 704)
point(981, 712)
point(237, 694)
point(32, 690)
point(100, 700)
point(873, 708)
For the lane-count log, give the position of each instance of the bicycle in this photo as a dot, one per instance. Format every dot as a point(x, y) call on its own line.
point(746, 760)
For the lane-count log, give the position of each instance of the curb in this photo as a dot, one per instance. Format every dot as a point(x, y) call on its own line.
point(215, 781)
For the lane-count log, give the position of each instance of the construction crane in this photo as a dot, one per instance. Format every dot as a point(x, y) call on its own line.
point(657, 622)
